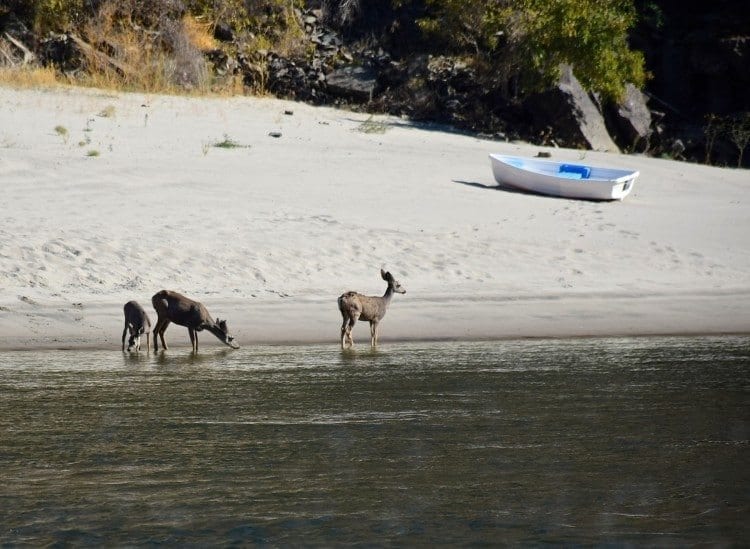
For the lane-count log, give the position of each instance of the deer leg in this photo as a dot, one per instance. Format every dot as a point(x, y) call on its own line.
point(343, 332)
point(167, 322)
point(193, 339)
point(346, 330)
point(148, 342)
point(124, 330)
point(157, 327)
point(161, 325)
point(352, 321)
point(373, 334)
point(164, 323)
point(345, 315)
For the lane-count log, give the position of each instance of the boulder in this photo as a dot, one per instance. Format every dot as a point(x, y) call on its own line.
point(223, 32)
point(356, 82)
point(630, 120)
point(572, 116)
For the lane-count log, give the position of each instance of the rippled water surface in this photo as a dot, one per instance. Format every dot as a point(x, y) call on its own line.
point(624, 441)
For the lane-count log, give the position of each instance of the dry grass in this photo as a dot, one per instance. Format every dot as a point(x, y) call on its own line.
point(127, 57)
point(199, 33)
point(31, 77)
point(141, 64)
point(291, 40)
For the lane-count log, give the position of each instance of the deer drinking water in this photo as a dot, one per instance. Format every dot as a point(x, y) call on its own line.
point(173, 307)
point(355, 306)
point(137, 321)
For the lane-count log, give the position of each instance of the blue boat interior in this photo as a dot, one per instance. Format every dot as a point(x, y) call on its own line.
point(574, 171)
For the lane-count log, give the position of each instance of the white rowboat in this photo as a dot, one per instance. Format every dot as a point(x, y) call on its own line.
point(569, 180)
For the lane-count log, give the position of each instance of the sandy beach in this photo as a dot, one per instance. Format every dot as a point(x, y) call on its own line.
point(111, 197)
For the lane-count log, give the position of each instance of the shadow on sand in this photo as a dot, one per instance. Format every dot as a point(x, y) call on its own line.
point(496, 187)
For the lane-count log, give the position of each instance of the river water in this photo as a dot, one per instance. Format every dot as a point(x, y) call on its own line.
point(635, 441)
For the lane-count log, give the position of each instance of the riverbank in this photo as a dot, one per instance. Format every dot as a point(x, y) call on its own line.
point(267, 210)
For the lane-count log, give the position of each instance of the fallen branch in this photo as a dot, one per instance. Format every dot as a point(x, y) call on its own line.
point(98, 56)
point(28, 55)
point(8, 58)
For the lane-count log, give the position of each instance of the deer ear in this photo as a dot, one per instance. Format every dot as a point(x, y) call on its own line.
point(383, 274)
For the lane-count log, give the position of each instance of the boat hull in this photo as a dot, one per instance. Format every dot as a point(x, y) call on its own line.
point(564, 180)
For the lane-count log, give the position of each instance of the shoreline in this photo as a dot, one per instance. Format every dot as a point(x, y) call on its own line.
point(135, 196)
point(492, 318)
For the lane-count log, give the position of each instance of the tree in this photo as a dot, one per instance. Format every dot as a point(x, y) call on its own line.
point(714, 128)
point(528, 40)
point(739, 132)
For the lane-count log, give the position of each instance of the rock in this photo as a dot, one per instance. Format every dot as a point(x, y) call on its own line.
point(677, 147)
point(571, 114)
point(630, 120)
point(223, 32)
point(222, 63)
point(357, 82)
point(60, 51)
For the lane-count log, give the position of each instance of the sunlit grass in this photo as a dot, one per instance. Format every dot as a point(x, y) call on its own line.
point(134, 61)
point(31, 77)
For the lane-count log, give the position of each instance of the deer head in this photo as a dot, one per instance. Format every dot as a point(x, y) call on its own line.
point(223, 335)
point(134, 342)
point(388, 277)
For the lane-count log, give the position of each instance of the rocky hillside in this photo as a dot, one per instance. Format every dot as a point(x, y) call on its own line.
point(374, 57)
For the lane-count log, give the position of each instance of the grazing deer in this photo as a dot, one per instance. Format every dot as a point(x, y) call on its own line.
point(137, 321)
point(355, 306)
point(174, 307)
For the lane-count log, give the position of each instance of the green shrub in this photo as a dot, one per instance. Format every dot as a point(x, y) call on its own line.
point(230, 12)
point(526, 41)
point(55, 15)
point(258, 16)
point(590, 35)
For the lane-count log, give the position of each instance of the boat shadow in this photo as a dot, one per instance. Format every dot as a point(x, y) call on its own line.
point(497, 187)
point(515, 190)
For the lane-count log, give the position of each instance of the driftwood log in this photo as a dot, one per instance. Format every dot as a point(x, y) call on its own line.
point(28, 55)
point(97, 56)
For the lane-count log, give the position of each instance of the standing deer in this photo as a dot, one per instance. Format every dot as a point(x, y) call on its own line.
point(173, 307)
point(137, 321)
point(355, 306)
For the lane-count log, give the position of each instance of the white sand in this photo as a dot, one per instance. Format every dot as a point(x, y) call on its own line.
point(268, 235)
